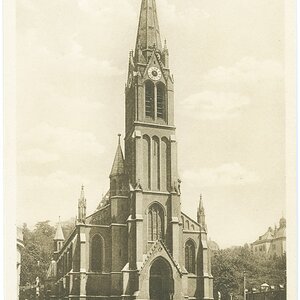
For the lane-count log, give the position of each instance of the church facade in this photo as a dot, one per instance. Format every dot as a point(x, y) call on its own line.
point(138, 244)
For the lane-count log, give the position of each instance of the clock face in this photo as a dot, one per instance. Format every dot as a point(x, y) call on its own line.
point(154, 73)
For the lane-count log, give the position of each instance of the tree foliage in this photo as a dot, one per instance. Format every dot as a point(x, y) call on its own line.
point(228, 268)
point(37, 252)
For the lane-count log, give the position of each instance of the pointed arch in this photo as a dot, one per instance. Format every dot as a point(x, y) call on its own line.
point(97, 253)
point(190, 253)
point(165, 165)
point(161, 100)
point(149, 99)
point(187, 224)
point(156, 222)
point(146, 162)
point(161, 282)
point(156, 163)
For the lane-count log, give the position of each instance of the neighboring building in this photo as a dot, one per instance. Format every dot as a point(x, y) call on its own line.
point(273, 241)
point(20, 246)
point(138, 244)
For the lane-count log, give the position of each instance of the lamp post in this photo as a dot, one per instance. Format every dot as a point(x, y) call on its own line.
point(245, 296)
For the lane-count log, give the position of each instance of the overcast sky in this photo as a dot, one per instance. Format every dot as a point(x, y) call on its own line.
point(227, 61)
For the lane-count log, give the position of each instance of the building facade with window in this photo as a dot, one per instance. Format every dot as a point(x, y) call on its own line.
point(138, 244)
point(273, 242)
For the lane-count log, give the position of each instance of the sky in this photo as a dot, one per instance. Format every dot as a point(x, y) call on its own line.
point(227, 58)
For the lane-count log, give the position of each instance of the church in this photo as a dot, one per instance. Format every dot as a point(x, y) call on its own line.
point(138, 244)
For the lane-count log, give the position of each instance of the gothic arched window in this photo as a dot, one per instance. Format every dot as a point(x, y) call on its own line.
point(155, 164)
point(155, 223)
point(161, 105)
point(165, 164)
point(190, 256)
point(149, 99)
point(147, 162)
point(187, 224)
point(97, 253)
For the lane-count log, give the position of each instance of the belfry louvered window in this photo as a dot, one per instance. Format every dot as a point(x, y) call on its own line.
point(149, 99)
point(190, 257)
point(160, 90)
point(155, 223)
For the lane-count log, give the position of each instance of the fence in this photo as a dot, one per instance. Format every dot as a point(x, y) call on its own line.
point(268, 295)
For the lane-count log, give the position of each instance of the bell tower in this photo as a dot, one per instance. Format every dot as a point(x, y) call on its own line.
point(150, 143)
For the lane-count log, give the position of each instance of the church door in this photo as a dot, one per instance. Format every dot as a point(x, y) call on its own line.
point(161, 285)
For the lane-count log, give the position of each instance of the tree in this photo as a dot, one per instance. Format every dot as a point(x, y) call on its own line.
point(228, 266)
point(38, 249)
point(37, 253)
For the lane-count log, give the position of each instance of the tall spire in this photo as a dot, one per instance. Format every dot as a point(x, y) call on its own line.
point(148, 33)
point(118, 166)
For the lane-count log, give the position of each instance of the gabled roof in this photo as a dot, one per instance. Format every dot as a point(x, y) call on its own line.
point(104, 201)
point(118, 166)
point(157, 248)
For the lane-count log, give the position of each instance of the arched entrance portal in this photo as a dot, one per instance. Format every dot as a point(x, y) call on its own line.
point(161, 286)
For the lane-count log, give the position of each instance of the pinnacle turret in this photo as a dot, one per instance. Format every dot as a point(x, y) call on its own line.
point(59, 235)
point(81, 207)
point(58, 238)
point(201, 213)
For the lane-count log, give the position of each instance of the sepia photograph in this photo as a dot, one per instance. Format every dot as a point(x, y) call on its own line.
point(150, 149)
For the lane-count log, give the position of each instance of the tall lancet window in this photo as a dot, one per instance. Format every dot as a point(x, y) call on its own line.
point(190, 256)
point(161, 105)
point(155, 223)
point(97, 253)
point(149, 99)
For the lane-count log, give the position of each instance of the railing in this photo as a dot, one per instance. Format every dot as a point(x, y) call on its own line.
point(267, 295)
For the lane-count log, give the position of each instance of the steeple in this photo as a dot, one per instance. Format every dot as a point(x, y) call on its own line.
point(118, 167)
point(148, 34)
point(118, 176)
point(150, 139)
point(201, 213)
point(81, 207)
point(58, 238)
